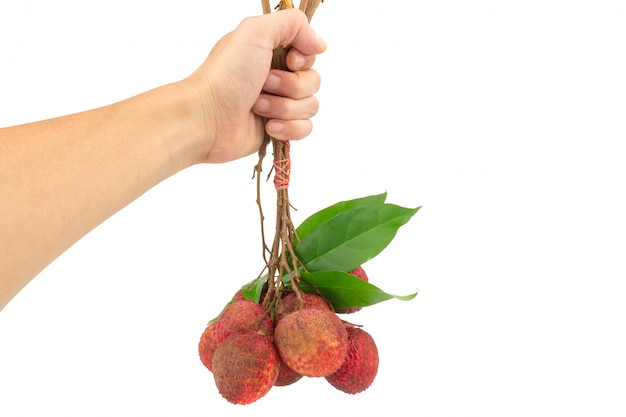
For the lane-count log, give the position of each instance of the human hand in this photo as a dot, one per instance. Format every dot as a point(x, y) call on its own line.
point(237, 88)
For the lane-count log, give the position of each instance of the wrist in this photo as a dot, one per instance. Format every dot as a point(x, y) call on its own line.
point(182, 124)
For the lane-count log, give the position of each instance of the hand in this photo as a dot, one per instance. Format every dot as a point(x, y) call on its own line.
point(237, 88)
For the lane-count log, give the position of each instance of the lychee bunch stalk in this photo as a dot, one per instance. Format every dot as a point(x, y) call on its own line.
point(286, 324)
point(250, 348)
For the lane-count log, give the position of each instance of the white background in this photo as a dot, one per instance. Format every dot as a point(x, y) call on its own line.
point(505, 120)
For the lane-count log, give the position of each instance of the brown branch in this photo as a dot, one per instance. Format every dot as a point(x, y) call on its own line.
point(257, 172)
point(283, 263)
point(309, 7)
point(266, 6)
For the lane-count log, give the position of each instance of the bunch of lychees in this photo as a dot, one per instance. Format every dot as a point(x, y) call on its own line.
point(285, 324)
point(248, 352)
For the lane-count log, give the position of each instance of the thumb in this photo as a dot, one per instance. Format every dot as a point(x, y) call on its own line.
point(284, 27)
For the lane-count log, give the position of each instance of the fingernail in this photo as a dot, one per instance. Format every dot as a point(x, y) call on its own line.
point(262, 105)
point(272, 83)
point(322, 41)
point(274, 126)
point(298, 60)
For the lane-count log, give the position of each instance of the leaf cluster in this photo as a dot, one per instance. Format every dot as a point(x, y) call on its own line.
point(337, 239)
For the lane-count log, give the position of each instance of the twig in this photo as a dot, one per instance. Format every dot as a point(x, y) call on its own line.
point(283, 262)
point(309, 7)
point(257, 172)
point(266, 6)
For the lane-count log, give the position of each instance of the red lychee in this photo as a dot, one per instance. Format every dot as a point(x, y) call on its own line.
point(358, 272)
point(286, 376)
point(207, 345)
point(245, 367)
point(290, 303)
point(238, 296)
point(360, 366)
point(243, 317)
point(311, 341)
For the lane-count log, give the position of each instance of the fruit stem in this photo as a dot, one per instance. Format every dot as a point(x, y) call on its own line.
point(309, 7)
point(266, 6)
point(282, 264)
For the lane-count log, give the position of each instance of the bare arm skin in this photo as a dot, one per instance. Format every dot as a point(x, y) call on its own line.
point(62, 177)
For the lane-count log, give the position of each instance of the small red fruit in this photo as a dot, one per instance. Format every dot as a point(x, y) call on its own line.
point(290, 303)
point(358, 272)
point(243, 317)
point(311, 341)
point(238, 296)
point(245, 367)
point(207, 345)
point(286, 376)
point(361, 365)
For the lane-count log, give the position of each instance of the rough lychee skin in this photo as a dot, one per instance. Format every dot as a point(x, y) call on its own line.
point(358, 272)
point(238, 296)
point(243, 317)
point(289, 303)
point(286, 376)
point(360, 366)
point(311, 341)
point(207, 345)
point(245, 367)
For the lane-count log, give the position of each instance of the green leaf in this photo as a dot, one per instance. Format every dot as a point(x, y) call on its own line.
point(314, 220)
point(252, 290)
point(344, 290)
point(351, 237)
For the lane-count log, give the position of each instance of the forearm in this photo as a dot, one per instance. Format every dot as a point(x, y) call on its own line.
point(60, 178)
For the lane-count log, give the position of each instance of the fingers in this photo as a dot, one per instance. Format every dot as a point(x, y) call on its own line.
point(297, 61)
point(276, 107)
point(296, 85)
point(288, 100)
point(289, 129)
point(291, 103)
point(289, 27)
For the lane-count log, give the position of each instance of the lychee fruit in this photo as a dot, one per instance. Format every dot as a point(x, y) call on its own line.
point(243, 317)
point(311, 341)
point(207, 345)
point(360, 366)
point(238, 296)
point(358, 272)
point(290, 303)
point(245, 367)
point(286, 376)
